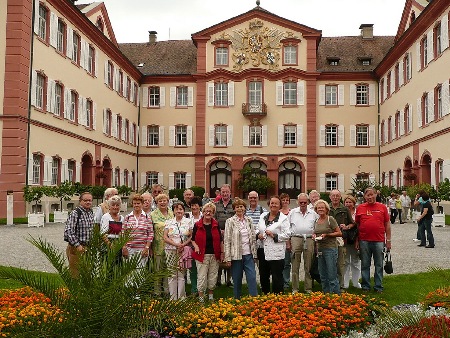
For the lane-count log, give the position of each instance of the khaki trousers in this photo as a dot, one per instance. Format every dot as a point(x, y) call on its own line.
point(73, 255)
point(299, 249)
point(207, 273)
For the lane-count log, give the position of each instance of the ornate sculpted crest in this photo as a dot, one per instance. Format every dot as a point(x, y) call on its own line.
point(257, 45)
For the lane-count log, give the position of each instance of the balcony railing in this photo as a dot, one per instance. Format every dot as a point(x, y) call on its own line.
point(254, 110)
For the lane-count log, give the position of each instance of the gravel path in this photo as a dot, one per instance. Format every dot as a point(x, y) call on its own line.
point(16, 251)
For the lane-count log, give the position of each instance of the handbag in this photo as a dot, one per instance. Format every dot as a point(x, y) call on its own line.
point(388, 268)
point(186, 258)
point(314, 270)
point(350, 235)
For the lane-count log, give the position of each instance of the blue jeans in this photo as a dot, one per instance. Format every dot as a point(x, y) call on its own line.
point(425, 225)
point(247, 264)
point(328, 270)
point(287, 269)
point(367, 251)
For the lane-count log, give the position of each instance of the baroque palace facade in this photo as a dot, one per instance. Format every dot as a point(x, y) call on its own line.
point(308, 111)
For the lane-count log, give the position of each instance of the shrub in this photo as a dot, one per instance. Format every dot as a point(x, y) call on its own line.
point(198, 191)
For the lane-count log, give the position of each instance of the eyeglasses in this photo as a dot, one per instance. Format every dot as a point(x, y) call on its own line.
point(302, 202)
point(86, 200)
point(207, 211)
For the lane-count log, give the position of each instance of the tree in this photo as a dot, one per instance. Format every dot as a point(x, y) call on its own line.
point(35, 193)
point(444, 190)
point(63, 192)
point(251, 179)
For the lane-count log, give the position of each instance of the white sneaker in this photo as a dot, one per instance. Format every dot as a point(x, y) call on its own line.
point(210, 296)
point(416, 240)
point(294, 292)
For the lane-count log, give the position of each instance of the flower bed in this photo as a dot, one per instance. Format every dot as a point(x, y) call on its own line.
point(438, 298)
point(314, 315)
point(25, 307)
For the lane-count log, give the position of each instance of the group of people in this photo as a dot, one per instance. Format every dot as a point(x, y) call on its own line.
point(399, 205)
point(208, 238)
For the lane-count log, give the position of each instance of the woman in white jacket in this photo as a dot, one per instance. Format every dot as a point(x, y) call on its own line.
point(273, 231)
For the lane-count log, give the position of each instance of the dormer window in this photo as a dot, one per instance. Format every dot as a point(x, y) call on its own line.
point(333, 61)
point(99, 24)
point(365, 61)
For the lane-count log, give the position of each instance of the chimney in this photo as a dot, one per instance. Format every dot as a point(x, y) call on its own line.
point(152, 36)
point(366, 31)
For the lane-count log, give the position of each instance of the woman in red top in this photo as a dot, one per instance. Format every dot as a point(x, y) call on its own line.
point(208, 250)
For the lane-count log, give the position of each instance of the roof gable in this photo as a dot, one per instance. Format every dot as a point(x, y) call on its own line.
point(411, 11)
point(95, 11)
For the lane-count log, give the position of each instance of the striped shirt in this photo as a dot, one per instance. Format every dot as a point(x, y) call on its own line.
point(255, 214)
point(141, 229)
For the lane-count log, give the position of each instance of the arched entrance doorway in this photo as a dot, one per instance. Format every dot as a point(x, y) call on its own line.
point(255, 169)
point(425, 169)
point(220, 173)
point(107, 172)
point(87, 168)
point(290, 179)
point(408, 174)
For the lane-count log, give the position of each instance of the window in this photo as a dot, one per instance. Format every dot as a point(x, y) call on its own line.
point(438, 113)
point(331, 181)
point(119, 86)
point(397, 76)
point(362, 136)
point(58, 101)
point(89, 113)
point(391, 179)
point(40, 91)
point(108, 119)
point(128, 89)
point(119, 127)
point(71, 170)
point(407, 119)
point(182, 96)
point(290, 55)
point(72, 113)
point(221, 94)
point(290, 135)
point(255, 93)
point(333, 61)
point(425, 116)
point(290, 93)
point(42, 28)
point(331, 95)
point(255, 136)
point(91, 60)
point(55, 171)
point(437, 40)
point(125, 177)
point(127, 131)
point(37, 159)
point(117, 177)
point(110, 74)
point(365, 62)
point(100, 24)
point(423, 52)
point(152, 178)
point(181, 136)
point(154, 96)
point(76, 48)
point(180, 180)
point(221, 56)
point(133, 180)
point(407, 67)
point(388, 85)
point(362, 94)
point(382, 132)
point(220, 137)
point(331, 136)
point(61, 37)
point(153, 135)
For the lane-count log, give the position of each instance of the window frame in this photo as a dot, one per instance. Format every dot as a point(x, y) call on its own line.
point(397, 77)
point(153, 135)
point(58, 104)
point(255, 133)
point(388, 84)
point(362, 94)
point(55, 171)
point(128, 89)
point(438, 112)
point(72, 114)
point(423, 52)
point(154, 96)
point(117, 177)
point(151, 177)
point(61, 37)
point(44, 24)
point(253, 92)
point(406, 118)
point(110, 74)
point(89, 113)
point(360, 135)
point(91, 60)
point(37, 170)
point(108, 122)
point(221, 94)
point(437, 40)
point(331, 181)
point(71, 172)
point(127, 131)
point(424, 109)
point(331, 135)
point(119, 125)
point(220, 135)
point(41, 91)
point(76, 48)
point(331, 97)
point(181, 135)
point(221, 60)
point(179, 180)
point(182, 93)
point(290, 94)
point(397, 124)
point(290, 54)
point(290, 135)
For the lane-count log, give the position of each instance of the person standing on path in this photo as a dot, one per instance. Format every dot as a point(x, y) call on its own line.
point(78, 231)
point(406, 206)
point(424, 220)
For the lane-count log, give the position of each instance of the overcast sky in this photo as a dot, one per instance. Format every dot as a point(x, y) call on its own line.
point(178, 19)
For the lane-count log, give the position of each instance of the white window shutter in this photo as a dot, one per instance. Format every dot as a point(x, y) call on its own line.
point(78, 172)
point(144, 136)
point(394, 179)
point(264, 135)
point(143, 179)
point(106, 71)
point(352, 135)
point(372, 93)
point(113, 177)
point(279, 93)
point(69, 46)
point(430, 45)
point(322, 136)
point(410, 65)
point(392, 88)
point(53, 29)
point(47, 170)
point(353, 94)
point(116, 82)
point(36, 16)
point(385, 88)
point(50, 94)
point(231, 93)
point(171, 181)
point(419, 112)
point(446, 168)
point(210, 94)
point(341, 182)
point(322, 185)
point(392, 128)
point(160, 178)
point(96, 66)
point(321, 95)
point(341, 136)
point(80, 104)
point(161, 136)
point(105, 112)
point(299, 135)
point(83, 53)
point(341, 95)
point(229, 136)
point(418, 56)
point(162, 96)
point(94, 116)
point(33, 87)
point(65, 171)
point(144, 96)
point(402, 124)
point(379, 134)
point(124, 86)
point(245, 135)
point(301, 93)
point(190, 96)
point(386, 131)
point(400, 74)
point(188, 180)
point(445, 98)
point(189, 136)
point(380, 90)
point(122, 130)
point(173, 96)
point(433, 173)
point(171, 136)
point(211, 135)
point(280, 135)
point(114, 125)
point(372, 135)
point(444, 32)
point(130, 178)
point(30, 166)
point(410, 117)
point(67, 104)
point(430, 111)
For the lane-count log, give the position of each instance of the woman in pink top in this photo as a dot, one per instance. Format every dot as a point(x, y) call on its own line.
point(285, 209)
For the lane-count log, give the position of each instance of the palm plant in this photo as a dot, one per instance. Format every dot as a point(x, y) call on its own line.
point(107, 299)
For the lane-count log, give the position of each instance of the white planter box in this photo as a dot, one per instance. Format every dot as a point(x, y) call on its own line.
point(36, 220)
point(60, 216)
point(438, 220)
